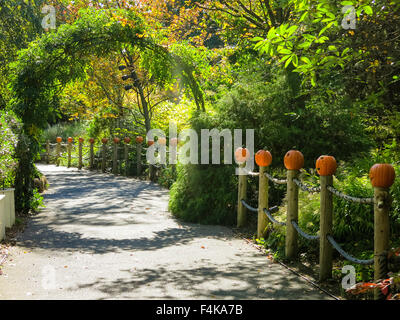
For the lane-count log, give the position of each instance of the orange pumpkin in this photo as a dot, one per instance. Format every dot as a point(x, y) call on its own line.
point(173, 142)
point(162, 141)
point(59, 139)
point(263, 158)
point(382, 175)
point(116, 140)
point(139, 139)
point(242, 155)
point(91, 141)
point(293, 160)
point(70, 140)
point(81, 140)
point(326, 165)
point(150, 143)
point(104, 140)
point(127, 140)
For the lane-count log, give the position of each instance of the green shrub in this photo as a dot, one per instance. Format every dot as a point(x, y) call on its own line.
point(9, 128)
point(204, 194)
point(70, 129)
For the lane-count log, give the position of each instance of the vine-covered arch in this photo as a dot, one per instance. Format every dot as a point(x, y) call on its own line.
point(49, 63)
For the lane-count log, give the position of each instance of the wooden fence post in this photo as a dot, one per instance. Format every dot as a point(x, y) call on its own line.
point(69, 149)
point(48, 151)
point(242, 195)
point(104, 154)
point(58, 151)
point(127, 140)
point(80, 162)
point(115, 156)
point(263, 160)
point(326, 167)
point(91, 154)
point(382, 177)
point(294, 161)
point(139, 141)
point(262, 203)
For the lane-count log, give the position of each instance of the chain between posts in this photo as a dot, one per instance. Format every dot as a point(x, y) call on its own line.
point(304, 234)
point(270, 217)
point(305, 187)
point(248, 206)
point(350, 198)
point(275, 180)
point(345, 254)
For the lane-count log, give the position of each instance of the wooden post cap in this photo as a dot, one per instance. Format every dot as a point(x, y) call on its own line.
point(326, 165)
point(263, 158)
point(293, 160)
point(382, 175)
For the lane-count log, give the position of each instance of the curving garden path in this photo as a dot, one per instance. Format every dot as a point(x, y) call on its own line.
point(106, 237)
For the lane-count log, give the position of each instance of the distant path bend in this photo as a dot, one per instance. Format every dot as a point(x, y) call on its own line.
point(107, 237)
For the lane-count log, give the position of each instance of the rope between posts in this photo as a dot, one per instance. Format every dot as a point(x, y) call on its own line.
point(305, 187)
point(270, 217)
point(302, 233)
point(254, 174)
point(248, 206)
point(275, 180)
point(345, 254)
point(350, 198)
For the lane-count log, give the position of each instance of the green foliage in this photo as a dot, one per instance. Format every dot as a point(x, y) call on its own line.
point(192, 199)
point(64, 130)
point(263, 100)
point(9, 128)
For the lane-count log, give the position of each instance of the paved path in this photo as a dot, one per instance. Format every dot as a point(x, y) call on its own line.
point(106, 237)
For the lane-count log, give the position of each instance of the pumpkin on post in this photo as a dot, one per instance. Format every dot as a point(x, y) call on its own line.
point(173, 142)
point(127, 140)
point(139, 139)
point(263, 159)
point(293, 160)
point(116, 140)
point(91, 141)
point(242, 155)
point(104, 140)
point(70, 140)
point(326, 165)
point(382, 177)
point(162, 141)
point(59, 139)
point(150, 142)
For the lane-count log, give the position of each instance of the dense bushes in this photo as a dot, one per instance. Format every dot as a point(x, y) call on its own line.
point(9, 127)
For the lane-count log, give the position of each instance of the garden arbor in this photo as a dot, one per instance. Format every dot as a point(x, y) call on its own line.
point(57, 58)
